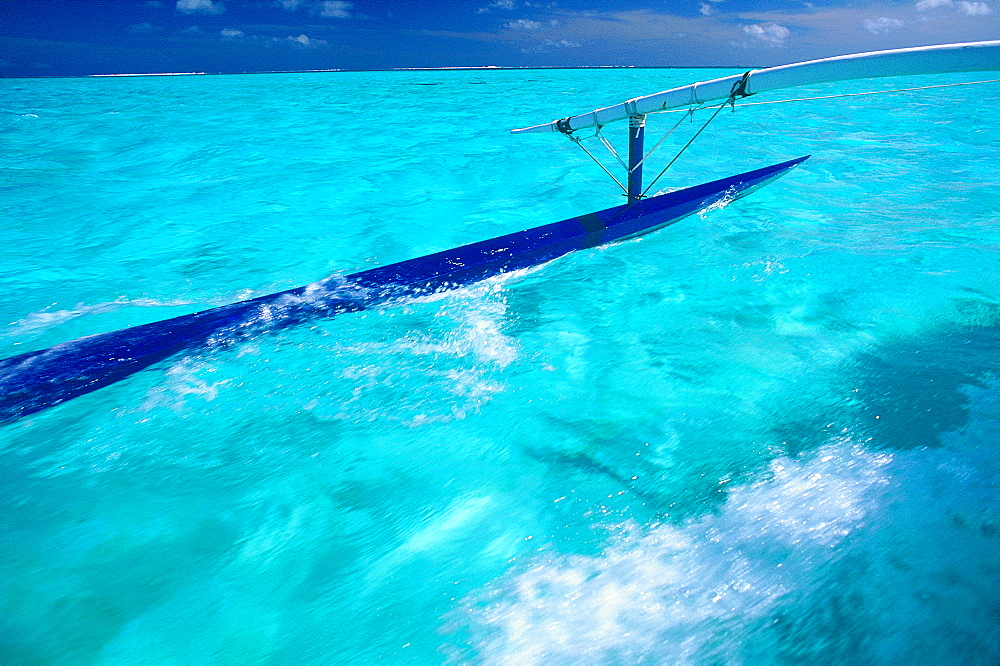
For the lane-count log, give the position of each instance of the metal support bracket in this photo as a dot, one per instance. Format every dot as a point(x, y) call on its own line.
point(636, 134)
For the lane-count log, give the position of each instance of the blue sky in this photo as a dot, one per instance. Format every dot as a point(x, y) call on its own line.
point(77, 37)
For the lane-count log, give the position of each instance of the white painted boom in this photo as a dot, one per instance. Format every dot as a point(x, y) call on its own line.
point(939, 59)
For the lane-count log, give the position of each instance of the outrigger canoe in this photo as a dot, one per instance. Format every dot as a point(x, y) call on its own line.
point(40, 379)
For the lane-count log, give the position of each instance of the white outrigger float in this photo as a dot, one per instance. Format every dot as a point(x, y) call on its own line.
point(36, 380)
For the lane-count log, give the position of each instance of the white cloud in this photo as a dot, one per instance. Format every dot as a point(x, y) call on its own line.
point(193, 30)
point(772, 34)
point(325, 8)
point(882, 25)
point(499, 4)
point(974, 8)
point(335, 9)
point(200, 7)
point(522, 24)
point(144, 28)
point(232, 34)
point(560, 43)
point(707, 9)
point(549, 44)
point(306, 42)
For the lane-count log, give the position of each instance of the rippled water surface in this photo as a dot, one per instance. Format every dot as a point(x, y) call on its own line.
point(767, 434)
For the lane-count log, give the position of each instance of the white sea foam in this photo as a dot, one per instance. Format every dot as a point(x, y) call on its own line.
point(451, 362)
point(19, 114)
point(184, 379)
point(39, 322)
point(677, 594)
point(726, 199)
point(479, 311)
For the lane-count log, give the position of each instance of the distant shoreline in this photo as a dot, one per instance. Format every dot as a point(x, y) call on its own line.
point(151, 74)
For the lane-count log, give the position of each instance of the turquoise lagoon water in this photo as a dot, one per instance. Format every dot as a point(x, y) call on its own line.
point(767, 434)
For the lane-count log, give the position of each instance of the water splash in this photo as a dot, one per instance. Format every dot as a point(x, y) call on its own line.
point(688, 593)
point(36, 323)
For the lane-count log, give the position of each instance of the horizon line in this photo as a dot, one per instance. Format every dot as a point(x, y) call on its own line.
point(391, 69)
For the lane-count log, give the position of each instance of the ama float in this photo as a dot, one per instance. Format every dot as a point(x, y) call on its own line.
point(40, 379)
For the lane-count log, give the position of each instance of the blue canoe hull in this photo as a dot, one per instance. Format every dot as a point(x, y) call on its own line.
point(40, 379)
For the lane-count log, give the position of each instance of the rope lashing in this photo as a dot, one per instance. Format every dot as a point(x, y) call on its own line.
point(739, 89)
